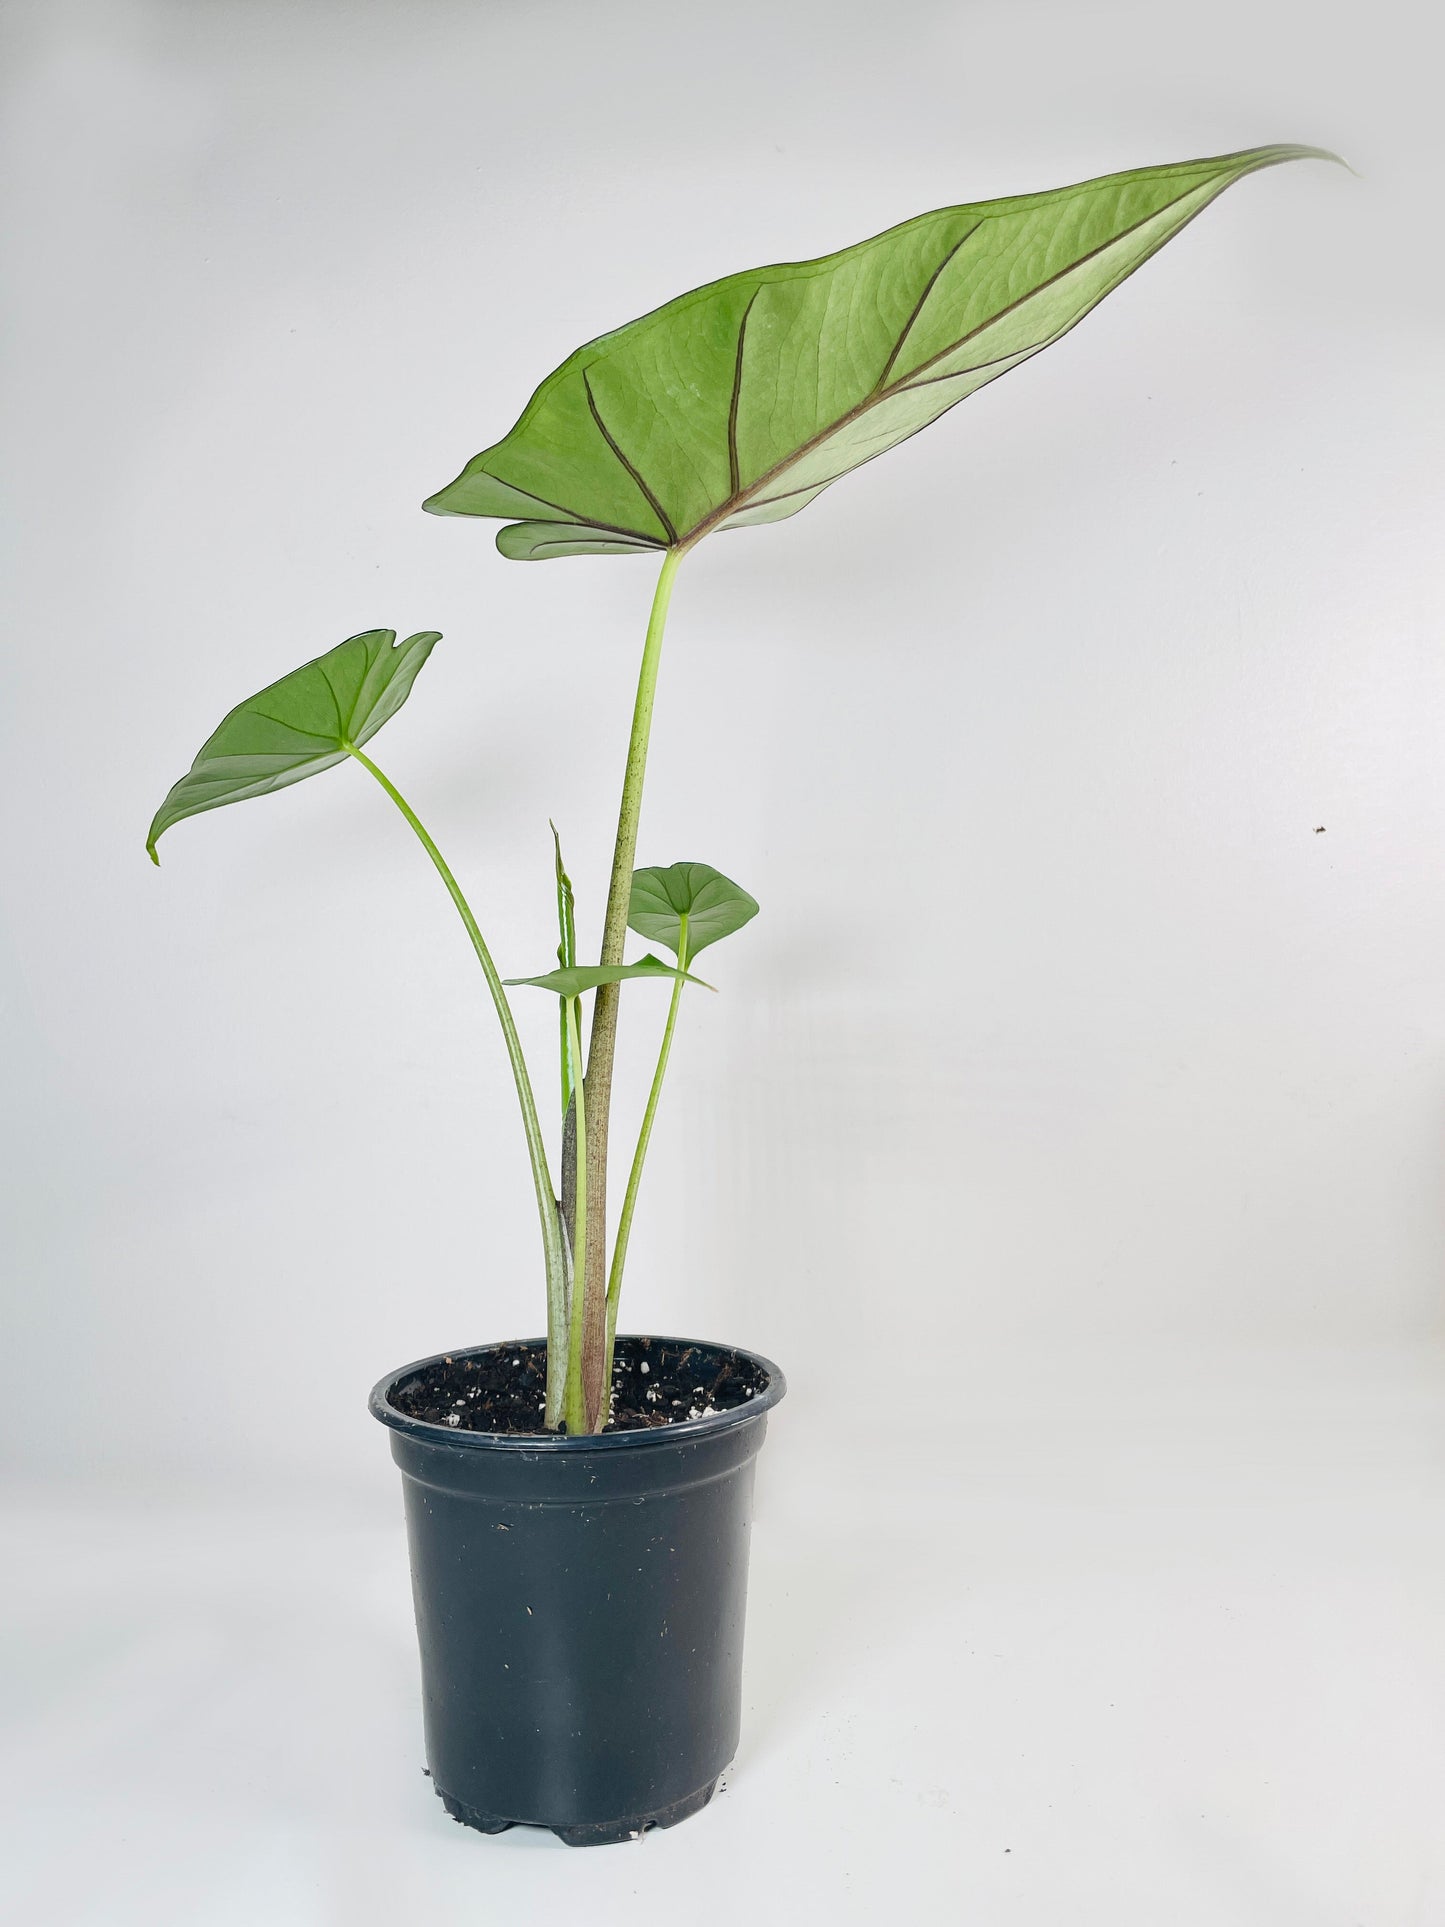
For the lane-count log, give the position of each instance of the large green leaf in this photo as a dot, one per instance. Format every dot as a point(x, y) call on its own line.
point(712, 904)
point(572, 982)
point(740, 402)
point(293, 728)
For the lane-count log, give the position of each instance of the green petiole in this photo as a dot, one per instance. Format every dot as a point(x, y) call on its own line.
point(552, 1246)
point(639, 1156)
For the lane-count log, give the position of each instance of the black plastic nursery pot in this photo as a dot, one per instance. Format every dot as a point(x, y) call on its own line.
point(580, 1601)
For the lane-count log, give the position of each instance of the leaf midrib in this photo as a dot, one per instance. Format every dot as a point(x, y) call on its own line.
point(884, 391)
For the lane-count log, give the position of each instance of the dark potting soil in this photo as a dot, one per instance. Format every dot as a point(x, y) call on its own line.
point(655, 1382)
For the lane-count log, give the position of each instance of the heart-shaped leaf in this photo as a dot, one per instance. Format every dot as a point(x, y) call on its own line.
point(293, 728)
point(572, 983)
point(711, 903)
point(740, 402)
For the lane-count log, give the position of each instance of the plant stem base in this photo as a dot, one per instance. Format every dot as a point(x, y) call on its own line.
point(609, 1834)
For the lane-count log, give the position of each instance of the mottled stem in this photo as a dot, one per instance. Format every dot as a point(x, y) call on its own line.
point(603, 1041)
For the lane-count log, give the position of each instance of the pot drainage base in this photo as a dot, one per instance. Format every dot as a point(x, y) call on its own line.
point(605, 1833)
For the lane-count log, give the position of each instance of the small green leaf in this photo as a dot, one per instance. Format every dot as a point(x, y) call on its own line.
point(572, 983)
point(300, 725)
point(740, 402)
point(713, 905)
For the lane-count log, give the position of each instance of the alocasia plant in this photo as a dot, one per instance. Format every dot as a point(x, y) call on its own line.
point(733, 405)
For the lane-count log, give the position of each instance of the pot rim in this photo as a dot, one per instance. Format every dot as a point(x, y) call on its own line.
point(552, 1443)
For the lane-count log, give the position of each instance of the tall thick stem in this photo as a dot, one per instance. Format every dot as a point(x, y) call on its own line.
point(603, 1041)
point(576, 1401)
point(536, 1150)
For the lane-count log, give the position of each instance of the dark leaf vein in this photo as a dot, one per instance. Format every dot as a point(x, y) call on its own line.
point(733, 479)
point(658, 510)
point(918, 306)
point(283, 722)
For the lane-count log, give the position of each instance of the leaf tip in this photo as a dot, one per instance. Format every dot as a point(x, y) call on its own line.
point(151, 851)
point(1298, 151)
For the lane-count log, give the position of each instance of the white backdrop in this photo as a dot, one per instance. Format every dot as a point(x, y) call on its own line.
point(1061, 1021)
point(1081, 1084)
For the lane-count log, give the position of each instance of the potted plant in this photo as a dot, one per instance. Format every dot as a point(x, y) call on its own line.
point(578, 1505)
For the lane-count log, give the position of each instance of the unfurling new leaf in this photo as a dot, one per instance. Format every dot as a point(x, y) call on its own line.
point(566, 957)
point(740, 402)
point(300, 725)
point(713, 905)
